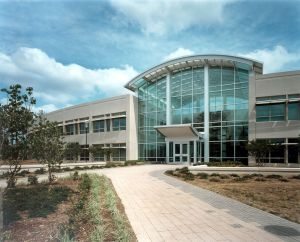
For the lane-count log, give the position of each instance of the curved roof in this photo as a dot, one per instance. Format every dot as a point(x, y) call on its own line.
point(161, 70)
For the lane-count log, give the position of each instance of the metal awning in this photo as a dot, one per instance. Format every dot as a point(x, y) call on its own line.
point(178, 131)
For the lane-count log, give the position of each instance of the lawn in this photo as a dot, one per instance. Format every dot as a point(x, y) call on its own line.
point(275, 194)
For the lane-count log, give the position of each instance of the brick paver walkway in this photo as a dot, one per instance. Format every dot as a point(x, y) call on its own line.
point(161, 208)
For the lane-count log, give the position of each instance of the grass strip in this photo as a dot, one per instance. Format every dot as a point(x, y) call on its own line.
point(98, 234)
point(120, 222)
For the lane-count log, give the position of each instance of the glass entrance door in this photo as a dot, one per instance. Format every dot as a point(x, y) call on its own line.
point(181, 152)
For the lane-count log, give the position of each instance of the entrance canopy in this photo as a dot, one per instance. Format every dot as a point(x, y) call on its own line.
point(178, 131)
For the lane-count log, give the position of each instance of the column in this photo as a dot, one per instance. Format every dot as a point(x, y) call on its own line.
point(195, 152)
point(168, 96)
point(167, 151)
point(206, 114)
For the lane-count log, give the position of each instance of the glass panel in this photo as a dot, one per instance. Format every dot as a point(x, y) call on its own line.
point(215, 149)
point(262, 99)
point(176, 116)
point(176, 102)
point(294, 96)
point(177, 149)
point(294, 111)
point(123, 123)
point(240, 149)
point(293, 151)
point(186, 116)
point(228, 77)
point(241, 132)
point(241, 114)
point(187, 101)
point(262, 113)
point(184, 149)
point(184, 158)
point(214, 76)
point(108, 125)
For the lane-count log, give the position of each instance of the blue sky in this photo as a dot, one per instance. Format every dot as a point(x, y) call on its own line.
point(75, 51)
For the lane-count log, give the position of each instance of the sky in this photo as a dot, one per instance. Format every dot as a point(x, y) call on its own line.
point(76, 51)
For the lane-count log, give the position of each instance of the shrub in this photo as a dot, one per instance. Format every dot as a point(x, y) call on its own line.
point(182, 170)
point(225, 163)
point(215, 174)
point(224, 176)
point(274, 176)
point(214, 179)
point(255, 175)
point(130, 162)
point(78, 168)
point(67, 169)
point(110, 164)
point(169, 172)
point(202, 175)
point(4, 175)
point(32, 179)
point(189, 176)
point(234, 175)
point(23, 173)
point(56, 169)
point(183, 173)
point(283, 179)
point(296, 177)
point(75, 176)
point(40, 171)
point(85, 184)
point(260, 179)
point(96, 167)
point(240, 179)
point(247, 177)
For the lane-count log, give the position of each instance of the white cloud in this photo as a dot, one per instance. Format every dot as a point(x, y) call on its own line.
point(45, 108)
point(162, 16)
point(56, 84)
point(178, 53)
point(274, 60)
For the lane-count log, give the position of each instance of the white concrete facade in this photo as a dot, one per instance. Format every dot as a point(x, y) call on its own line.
point(107, 109)
point(281, 88)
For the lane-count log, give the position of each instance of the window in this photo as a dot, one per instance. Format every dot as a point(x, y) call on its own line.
point(271, 98)
point(294, 111)
point(70, 129)
point(119, 152)
point(107, 125)
point(98, 155)
point(270, 112)
point(119, 124)
point(84, 154)
point(98, 126)
point(61, 130)
point(83, 128)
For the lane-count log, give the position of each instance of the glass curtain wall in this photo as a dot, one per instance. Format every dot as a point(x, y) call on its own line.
point(228, 104)
point(187, 97)
point(152, 112)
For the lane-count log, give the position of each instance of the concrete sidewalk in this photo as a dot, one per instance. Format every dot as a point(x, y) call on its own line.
point(161, 208)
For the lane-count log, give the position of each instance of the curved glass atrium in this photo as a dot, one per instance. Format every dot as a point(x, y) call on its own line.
point(194, 109)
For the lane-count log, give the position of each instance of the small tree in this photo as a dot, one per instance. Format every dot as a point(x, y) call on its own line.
point(259, 149)
point(108, 152)
point(72, 150)
point(96, 150)
point(15, 120)
point(46, 144)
